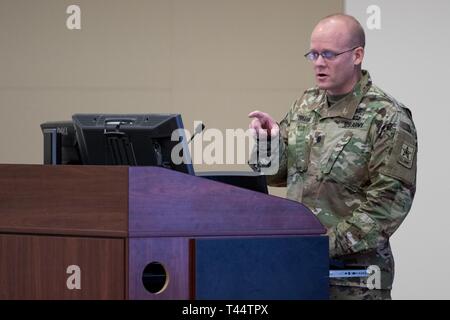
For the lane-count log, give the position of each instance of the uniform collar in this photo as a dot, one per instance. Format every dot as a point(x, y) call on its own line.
point(346, 107)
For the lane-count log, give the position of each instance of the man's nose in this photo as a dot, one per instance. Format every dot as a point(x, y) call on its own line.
point(320, 61)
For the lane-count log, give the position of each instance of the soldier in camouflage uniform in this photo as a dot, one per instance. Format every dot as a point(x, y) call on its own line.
point(350, 156)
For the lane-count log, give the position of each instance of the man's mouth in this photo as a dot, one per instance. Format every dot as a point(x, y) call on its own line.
point(321, 75)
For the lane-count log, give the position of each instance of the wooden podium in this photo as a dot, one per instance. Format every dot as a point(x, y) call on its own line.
point(104, 232)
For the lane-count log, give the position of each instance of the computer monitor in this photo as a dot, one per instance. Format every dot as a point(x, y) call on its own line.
point(129, 140)
point(132, 139)
point(60, 143)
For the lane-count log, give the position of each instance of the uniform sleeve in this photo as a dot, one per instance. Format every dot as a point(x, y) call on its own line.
point(278, 178)
point(389, 196)
point(275, 165)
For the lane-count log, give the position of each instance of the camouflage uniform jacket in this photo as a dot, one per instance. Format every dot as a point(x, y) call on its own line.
point(354, 165)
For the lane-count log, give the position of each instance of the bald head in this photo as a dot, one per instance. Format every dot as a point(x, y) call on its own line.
point(345, 27)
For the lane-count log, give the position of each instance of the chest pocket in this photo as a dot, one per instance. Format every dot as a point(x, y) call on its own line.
point(328, 163)
point(299, 146)
point(347, 162)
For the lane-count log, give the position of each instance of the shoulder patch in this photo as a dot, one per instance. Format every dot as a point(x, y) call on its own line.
point(406, 155)
point(403, 160)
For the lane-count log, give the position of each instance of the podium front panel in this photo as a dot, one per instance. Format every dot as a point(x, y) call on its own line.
point(263, 268)
point(52, 267)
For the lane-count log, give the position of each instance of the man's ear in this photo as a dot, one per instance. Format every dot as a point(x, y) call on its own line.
point(358, 56)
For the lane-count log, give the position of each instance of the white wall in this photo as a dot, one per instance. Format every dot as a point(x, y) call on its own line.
point(409, 58)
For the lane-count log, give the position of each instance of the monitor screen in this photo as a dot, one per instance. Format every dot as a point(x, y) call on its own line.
point(132, 139)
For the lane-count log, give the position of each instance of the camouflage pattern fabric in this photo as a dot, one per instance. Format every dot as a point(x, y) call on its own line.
point(354, 165)
point(356, 293)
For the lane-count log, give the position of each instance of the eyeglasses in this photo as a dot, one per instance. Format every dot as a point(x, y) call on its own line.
point(327, 54)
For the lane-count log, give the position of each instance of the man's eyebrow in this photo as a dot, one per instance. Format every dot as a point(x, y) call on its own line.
point(326, 49)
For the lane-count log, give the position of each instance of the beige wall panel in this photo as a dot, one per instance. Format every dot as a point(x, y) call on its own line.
point(209, 60)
